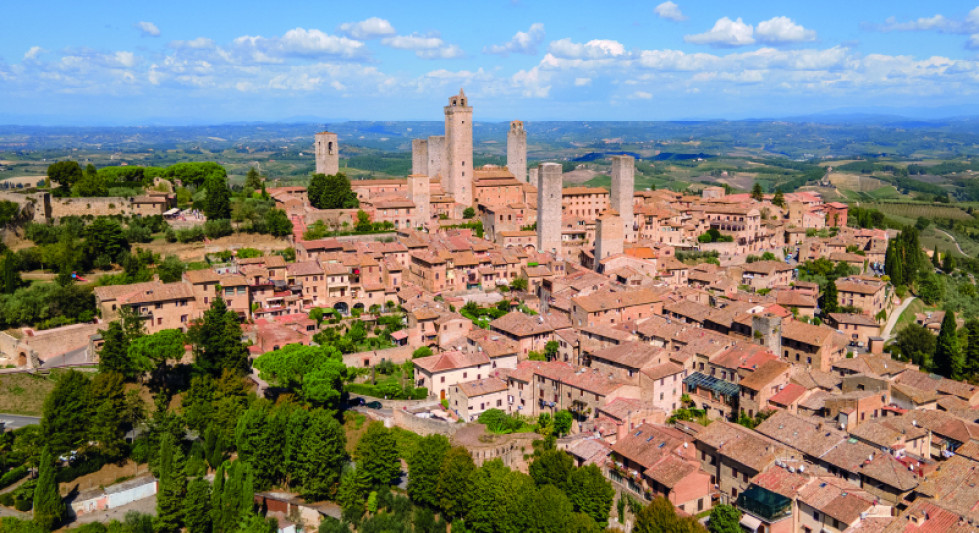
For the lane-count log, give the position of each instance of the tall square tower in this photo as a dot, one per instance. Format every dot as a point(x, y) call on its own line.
point(327, 152)
point(621, 198)
point(459, 149)
point(516, 151)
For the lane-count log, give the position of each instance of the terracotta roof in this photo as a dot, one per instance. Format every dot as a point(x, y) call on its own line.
point(765, 375)
point(481, 387)
point(634, 355)
point(452, 360)
point(614, 299)
point(304, 268)
point(523, 325)
point(788, 395)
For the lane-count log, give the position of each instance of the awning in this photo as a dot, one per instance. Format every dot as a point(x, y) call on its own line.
point(750, 522)
point(171, 212)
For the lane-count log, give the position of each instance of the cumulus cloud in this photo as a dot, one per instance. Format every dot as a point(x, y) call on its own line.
point(725, 33)
point(938, 22)
point(642, 95)
point(299, 42)
point(371, 28)
point(782, 30)
point(671, 11)
point(200, 43)
point(582, 82)
point(594, 49)
point(425, 46)
point(523, 42)
point(33, 52)
point(148, 29)
point(973, 42)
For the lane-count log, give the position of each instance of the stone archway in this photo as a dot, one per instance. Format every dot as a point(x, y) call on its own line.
point(342, 308)
point(22, 360)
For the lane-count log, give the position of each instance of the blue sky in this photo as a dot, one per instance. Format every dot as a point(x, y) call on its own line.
point(206, 61)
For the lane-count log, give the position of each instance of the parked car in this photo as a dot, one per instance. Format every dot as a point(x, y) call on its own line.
point(374, 405)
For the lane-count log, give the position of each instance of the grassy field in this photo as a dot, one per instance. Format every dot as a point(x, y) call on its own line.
point(907, 317)
point(915, 210)
point(23, 394)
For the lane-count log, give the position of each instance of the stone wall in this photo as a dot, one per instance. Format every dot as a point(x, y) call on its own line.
point(101, 206)
point(436, 155)
point(38, 205)
point(424, 426)
point(419, 157)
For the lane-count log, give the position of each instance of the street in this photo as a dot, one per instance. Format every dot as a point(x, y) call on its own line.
point(12, 422)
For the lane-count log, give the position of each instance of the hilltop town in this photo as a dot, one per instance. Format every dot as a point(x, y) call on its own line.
point(721, 349)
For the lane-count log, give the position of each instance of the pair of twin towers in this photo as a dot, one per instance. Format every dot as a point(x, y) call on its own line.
point(451, 155)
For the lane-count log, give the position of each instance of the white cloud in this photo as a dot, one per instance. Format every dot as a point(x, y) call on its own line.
point(299, 42)
point(671, 11)
point(523, 42)
point(642, 95)
point(371, 28)
point(973, 43)
point(199, 43)
point(425, 46)
point(781, 30)
point(582, 82)
point(148, 29)
point(937, 22)
point(725, 33)
point(33, 52)
point(125, 59)
point(594, 49)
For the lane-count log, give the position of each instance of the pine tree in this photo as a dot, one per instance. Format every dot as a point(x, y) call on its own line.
point(779, 198)
point(217, 341)
point(317, 186)
point(217, 199)
point(173, 486)
point(49, 509)
point(756, 192)
point(948, 357)
point(253, 180)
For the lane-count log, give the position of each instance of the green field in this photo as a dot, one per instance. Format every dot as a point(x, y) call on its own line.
point(910, 210)
point(23, 394)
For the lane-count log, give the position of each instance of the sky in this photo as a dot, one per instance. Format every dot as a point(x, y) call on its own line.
point(213, 61)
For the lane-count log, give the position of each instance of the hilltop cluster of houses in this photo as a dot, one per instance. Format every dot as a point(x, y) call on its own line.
point(656, 357)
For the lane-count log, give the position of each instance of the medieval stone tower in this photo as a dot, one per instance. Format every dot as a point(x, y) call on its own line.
point(458, 149)
point(549, 208)
point(327, 153)
point(516, 150)
point(608, 236)
point(623, 190)
point(436, 154)
point(419, 193)
point(419, 156)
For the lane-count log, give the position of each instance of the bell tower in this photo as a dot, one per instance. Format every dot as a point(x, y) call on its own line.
point(458, 164)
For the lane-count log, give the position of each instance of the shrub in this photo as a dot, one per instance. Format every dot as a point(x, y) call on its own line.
point(12, 476)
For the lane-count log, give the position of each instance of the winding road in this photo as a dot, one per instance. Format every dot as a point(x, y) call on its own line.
point(895, 315)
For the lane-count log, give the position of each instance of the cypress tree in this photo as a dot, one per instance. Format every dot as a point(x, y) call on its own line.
point(972, 351)
point(173, 487)
point(830, 303)
point(49, 509)
point(936, 258)
point(198, 508)
point(948, 357)
point(323, 456)
point(756, 192)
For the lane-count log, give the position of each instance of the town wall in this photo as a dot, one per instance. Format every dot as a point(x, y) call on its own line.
point(424, 426)
point(38, 204)
point(96, 206)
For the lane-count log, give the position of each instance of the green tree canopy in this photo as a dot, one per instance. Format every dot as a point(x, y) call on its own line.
point(424, 467)
point(217, 341)
point(314, 372)
point(591, 493)
point(65, 174)
point(49, 509)
point(724, 519)
point(455, 482)
point(377, 455)
point(948, 359)
point(66, 418)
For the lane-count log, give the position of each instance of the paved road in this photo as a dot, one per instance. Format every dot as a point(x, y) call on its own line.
point(12, 422)
point(896, 314)
point(949, 235)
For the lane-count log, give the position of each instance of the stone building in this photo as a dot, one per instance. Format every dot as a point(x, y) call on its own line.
point(459, 148)
point(516, 150)
point(327, 153)
point(623, 189)
point(549, 208)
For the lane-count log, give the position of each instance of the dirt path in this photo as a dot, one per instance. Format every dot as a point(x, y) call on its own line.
point(892, 320)
point(949, 235)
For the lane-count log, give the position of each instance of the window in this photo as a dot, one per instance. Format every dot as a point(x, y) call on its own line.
point(443, 379)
